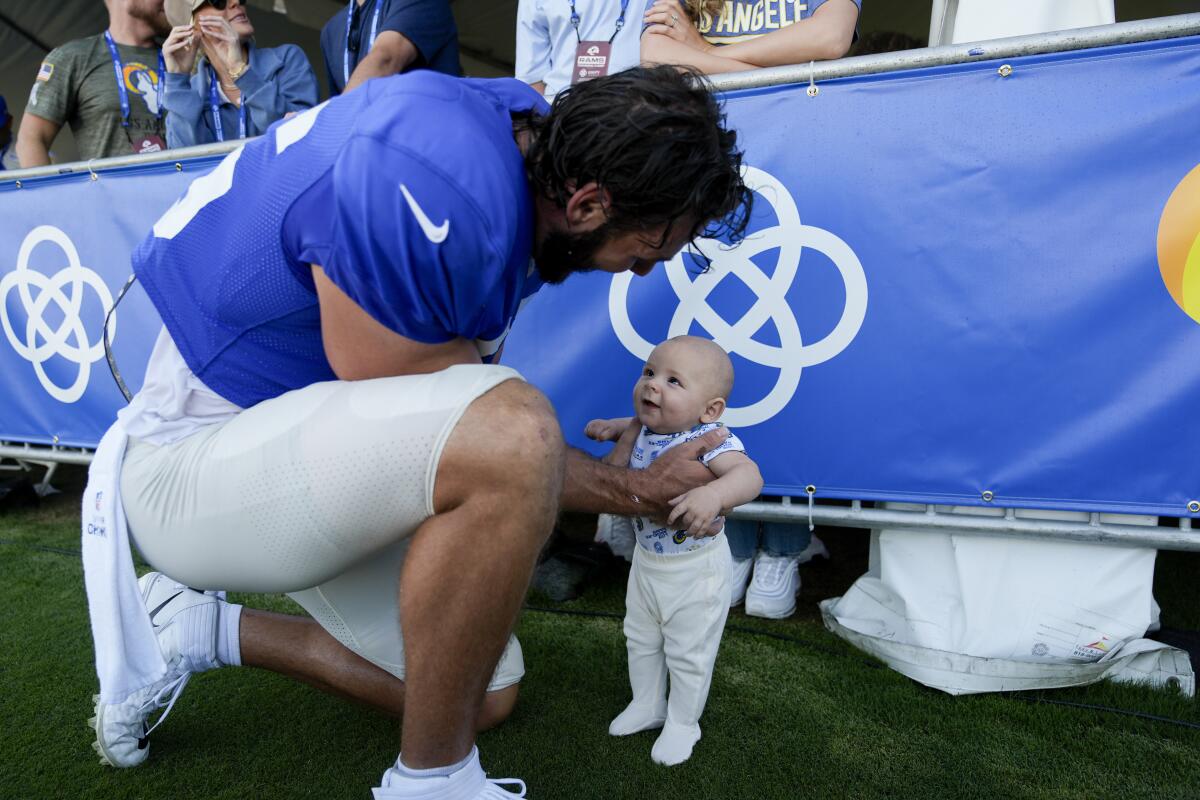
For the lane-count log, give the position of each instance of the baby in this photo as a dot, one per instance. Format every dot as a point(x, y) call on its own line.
point(679, 585)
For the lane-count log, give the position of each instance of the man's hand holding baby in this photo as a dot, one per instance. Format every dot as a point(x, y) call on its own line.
point(677, 472)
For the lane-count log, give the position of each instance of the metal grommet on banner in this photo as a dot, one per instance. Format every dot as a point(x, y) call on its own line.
point(55, 438)
point(813, 90)
point(1194, 506)
point(811, 491)
point(1005, 70)
point(178, 167)
point(91, 171)
point(987, 496)
point(18, 184)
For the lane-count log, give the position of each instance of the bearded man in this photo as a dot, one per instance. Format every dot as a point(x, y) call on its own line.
point(324, 413)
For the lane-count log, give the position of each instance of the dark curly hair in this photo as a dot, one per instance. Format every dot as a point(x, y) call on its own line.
point(655, 139)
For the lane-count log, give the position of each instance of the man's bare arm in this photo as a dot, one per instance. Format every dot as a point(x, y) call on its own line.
point(597, 488)
point(392, 52)
point(34, 140)
point(359, 347)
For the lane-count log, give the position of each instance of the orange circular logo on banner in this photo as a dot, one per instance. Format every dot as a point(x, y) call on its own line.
point(1179, 244)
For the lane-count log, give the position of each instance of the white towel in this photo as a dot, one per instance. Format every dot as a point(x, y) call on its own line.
point(127, 654)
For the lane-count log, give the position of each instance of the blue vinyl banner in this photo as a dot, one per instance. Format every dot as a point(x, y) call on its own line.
point(65, 244)
point(956, 282)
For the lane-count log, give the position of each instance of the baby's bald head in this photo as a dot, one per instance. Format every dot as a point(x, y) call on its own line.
point(704, 359)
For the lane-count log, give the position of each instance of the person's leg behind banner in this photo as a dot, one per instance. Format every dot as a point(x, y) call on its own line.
point(772, 591)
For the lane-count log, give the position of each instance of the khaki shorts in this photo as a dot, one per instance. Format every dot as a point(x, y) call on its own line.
point(313, 493)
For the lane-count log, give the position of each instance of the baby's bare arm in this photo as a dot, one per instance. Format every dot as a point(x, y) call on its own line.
point(738, 481)
point(606, 430)
point(620, 453)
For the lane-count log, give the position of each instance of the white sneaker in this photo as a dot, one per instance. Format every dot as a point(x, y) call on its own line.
point(468, 783)
point(772, 592)
point(739, 577)
point(185, 622)
point(616, 532)
point(816, 549)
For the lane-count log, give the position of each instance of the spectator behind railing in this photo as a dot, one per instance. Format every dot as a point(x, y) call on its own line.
point(220, 85)
point(107, 87)
point(377, 38)
point(8, 154)
point(555, 39)
point(731, 35)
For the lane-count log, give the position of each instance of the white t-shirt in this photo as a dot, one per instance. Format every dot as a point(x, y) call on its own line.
point(172, 403)
point(546, 38)
point(977, 20)
point(649, 446)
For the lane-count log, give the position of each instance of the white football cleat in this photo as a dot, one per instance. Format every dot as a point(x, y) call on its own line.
point(468, 783)
point(185, 622)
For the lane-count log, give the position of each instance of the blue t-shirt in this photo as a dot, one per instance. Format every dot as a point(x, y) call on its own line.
point(742, 20)
point(428, 24)
point(411, 194)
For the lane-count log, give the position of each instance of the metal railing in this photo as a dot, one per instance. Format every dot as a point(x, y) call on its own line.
point(1147, 30)
point(927, 519)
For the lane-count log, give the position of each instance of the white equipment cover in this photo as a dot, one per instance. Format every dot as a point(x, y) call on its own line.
point(968, 613)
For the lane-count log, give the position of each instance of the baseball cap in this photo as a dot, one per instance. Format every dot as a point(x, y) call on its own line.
point(179, 12)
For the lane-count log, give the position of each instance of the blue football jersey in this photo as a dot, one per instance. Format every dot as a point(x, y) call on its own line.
point(409, 192)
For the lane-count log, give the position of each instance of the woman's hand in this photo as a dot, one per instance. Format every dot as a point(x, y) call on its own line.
point(668, 18)
point(179, 50)
point(221, 43)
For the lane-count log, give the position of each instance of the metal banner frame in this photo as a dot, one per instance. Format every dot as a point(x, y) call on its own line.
point(855, 515)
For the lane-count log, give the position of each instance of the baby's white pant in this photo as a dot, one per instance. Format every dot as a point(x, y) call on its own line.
point(675, 614)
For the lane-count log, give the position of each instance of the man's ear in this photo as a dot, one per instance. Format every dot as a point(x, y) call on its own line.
point(587, 207)
point(714, 410)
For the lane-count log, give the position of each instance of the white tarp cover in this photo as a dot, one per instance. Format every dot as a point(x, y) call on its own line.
point(968, 613)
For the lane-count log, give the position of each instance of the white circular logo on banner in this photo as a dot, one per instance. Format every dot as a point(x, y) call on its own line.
point(790, 237)
point(40, 341)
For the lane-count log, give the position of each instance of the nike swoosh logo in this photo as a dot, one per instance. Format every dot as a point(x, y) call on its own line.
point(160, 606)
point(435, 233)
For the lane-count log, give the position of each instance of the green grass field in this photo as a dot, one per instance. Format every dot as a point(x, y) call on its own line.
point(805, 717)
